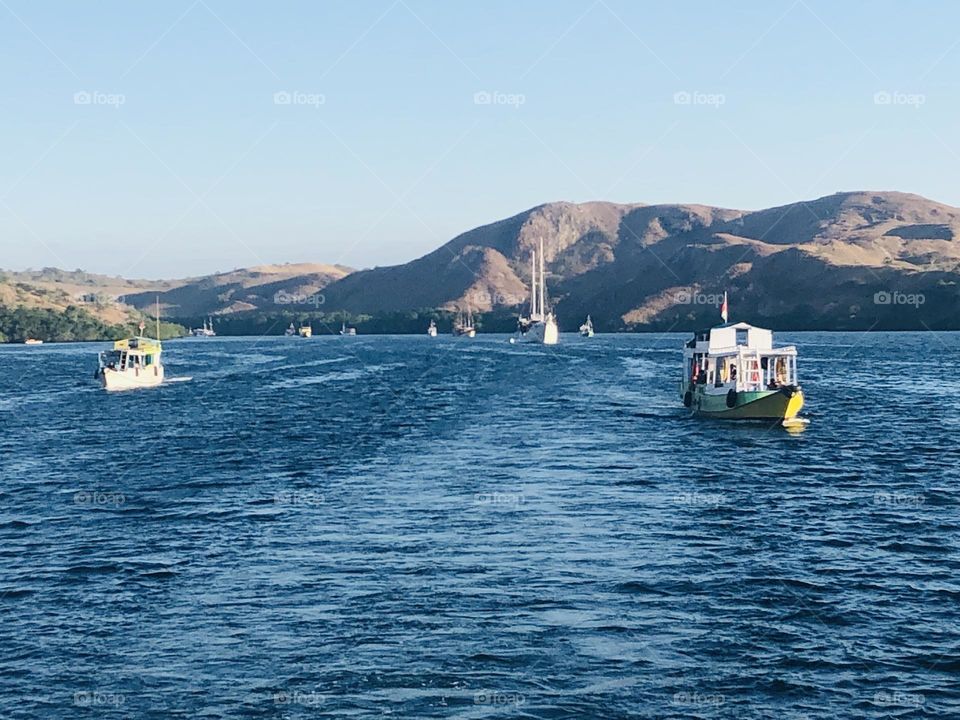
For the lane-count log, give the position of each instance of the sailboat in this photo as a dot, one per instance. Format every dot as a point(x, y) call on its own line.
point(463, 325)
point(133, 363)
point(344, 330)
point(586, 330)
point(432, 330)
point(541, 325)
point(206, 331)
point(292, 330)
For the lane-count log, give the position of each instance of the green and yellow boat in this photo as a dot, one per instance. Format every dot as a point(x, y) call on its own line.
point(733, 372)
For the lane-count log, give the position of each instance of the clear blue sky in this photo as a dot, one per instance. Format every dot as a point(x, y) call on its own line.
point(383, 153)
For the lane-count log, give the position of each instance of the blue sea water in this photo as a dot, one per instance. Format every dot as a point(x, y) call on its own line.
point(412, 528)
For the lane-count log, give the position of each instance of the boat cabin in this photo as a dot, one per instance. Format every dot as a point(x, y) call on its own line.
point(132, 354)
point(738, 357)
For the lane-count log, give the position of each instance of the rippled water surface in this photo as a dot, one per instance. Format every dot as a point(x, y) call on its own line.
point(416, 528)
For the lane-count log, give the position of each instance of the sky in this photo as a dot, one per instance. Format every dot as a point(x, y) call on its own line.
point(193, 136)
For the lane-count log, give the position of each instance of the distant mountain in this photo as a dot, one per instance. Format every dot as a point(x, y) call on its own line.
point(850, 260)
point(855, 259)
point(265, 287)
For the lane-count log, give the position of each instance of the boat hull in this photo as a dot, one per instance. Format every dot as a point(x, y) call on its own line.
point(126, 380)
point(545, 333)
point(781, 404)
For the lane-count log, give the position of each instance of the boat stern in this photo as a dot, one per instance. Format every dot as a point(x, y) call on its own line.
point(780, 404)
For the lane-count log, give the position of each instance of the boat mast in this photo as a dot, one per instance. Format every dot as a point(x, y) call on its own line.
point(542, 282)
point(533, 284)
point(158, 318)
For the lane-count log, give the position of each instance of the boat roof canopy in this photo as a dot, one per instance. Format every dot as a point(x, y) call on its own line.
point(728, 337)
point(138, 344)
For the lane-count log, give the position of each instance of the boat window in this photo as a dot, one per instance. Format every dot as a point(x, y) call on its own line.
point(741, 337)
point(148, 360)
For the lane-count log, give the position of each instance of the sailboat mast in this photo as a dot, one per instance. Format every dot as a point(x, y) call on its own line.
point(543, 305)
point(533, 284)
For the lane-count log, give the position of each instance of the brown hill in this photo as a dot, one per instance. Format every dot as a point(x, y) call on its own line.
point(853, 259)
point(264, 287)
point(812, 263)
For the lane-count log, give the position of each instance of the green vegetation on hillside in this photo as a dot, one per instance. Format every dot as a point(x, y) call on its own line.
point(71, 325)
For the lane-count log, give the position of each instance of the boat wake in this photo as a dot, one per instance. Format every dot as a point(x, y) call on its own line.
point(185, 378)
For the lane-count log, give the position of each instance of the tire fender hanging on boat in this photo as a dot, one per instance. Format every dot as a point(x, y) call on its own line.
point(731, 398)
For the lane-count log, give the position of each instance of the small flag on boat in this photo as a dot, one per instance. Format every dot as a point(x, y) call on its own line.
point(141, 326)
point(723, 308)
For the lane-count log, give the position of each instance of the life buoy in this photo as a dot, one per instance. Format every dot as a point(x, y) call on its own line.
point(731, 398)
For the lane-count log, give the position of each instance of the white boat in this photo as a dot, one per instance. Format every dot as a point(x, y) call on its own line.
point(586, 330)
point(349, 331)
point(133, 363)
point(32, 341)
point(206, 330)
point(306, 331)
point(463, 325)
point(290, 331)
point(540, 326)
point(432, 329)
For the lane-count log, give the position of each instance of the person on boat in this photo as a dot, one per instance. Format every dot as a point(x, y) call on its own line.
point(781, 371)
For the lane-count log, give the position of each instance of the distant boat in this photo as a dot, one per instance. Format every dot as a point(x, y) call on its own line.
point(541, 325)
point(32, 341)
point(432, 330)
point(587, 328)
point(206, 330)
point(306, 331)
point(344, 330)
point(133, 363)
point(463, 325)
point(290, 331)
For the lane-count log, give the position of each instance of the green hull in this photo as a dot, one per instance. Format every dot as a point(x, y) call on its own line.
point(760, 405)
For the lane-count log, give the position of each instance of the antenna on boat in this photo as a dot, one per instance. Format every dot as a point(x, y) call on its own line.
point(158, 318)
